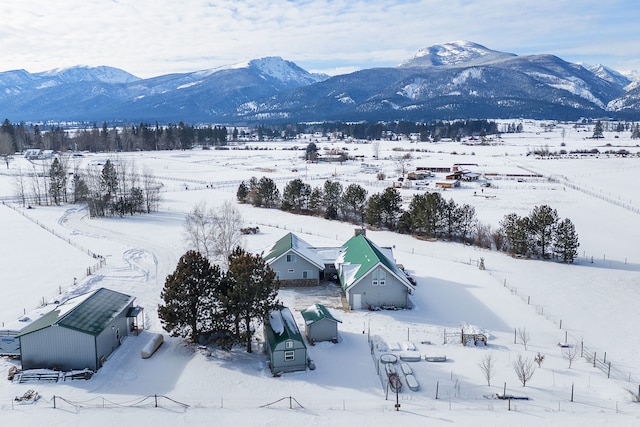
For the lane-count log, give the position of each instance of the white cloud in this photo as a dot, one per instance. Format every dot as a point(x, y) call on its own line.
point(153, 37)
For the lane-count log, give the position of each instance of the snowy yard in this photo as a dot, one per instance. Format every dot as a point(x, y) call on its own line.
point(592, 302)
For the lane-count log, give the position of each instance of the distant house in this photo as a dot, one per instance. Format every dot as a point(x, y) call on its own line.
point(295, 262)
point(320, 325)
point(283, 343)
point(369, 277)
point(79, 333)
point(449, 183)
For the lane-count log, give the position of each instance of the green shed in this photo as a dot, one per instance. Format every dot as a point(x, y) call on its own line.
point(320, 324)
point(284, 343)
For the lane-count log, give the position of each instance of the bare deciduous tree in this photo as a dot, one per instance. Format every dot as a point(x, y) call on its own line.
point(524, 337)
point(487, 366)
point(199, 230)
point(214, 233)
point(375, 148)
point(571, 353)
point(524, 368)
point(227, 235)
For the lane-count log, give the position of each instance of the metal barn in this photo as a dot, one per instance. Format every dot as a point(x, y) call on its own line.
point(79, 333)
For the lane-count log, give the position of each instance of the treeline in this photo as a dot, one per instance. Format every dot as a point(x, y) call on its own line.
point(140, 137)
point(541, 234)
point(432, 131)
point(117, 188)
point(182, 136)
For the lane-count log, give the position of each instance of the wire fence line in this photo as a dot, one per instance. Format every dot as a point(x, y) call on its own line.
point(456, 397)
point(88, 271)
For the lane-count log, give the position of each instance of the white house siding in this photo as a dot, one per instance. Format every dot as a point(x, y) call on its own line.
point(58, 347)
point(393, 293)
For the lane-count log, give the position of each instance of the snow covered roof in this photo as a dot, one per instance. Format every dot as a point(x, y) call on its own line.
point(317, 312)
point(291, 242)
point(359, 256)
point(89, 313)
point(281, 327)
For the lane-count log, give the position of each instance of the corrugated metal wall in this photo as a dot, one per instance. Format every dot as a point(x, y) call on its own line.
point(58, 347)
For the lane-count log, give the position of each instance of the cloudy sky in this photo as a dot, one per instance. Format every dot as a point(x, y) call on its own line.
point(153, 37)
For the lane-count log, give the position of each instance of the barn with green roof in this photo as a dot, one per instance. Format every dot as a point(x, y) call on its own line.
point(79, 333)
point(370, 277)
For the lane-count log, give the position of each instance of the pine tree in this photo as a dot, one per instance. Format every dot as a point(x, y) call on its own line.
point(242, 193)
point(295, 196)
point(250, 294)
point(542, 222)
point(566, 241)
point(354, 200)
point(515, 231)
point(189, 295)
point(57, 181)
point(597, 130)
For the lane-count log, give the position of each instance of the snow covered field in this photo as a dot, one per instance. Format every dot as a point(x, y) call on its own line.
point(594, 300)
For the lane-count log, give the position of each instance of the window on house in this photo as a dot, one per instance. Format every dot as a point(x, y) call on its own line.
point(277, 274)
point(288, 344)
point(306, 274)
point(289, 356)
point(291, 257)
point(379, 277)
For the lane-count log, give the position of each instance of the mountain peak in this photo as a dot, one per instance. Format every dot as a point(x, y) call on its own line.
point(101, 73)
point(454, 54)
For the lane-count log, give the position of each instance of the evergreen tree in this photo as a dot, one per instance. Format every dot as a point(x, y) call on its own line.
point(373, 212)
point(635, 133)
point(315, 200)
point(109, 180)
point(542, 222)
point(566, 241)
point(80, 188)
point(242, 193)
point(515, 231)
point(391, 204)
point(597, 130)
point(57, 182)
point(267, 193)
point(296, 196)
point(353, 203)
point(332, 195)
point(250, 294)
point(189, 297)
point(311, 153)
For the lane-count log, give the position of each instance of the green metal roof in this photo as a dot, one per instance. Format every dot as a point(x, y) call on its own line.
point(363, 253)
point(292, 242)
point(281, 327)
point(317, 312)
point(90, 314)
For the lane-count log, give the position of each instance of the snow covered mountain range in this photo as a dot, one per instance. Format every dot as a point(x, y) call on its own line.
point(449, 81)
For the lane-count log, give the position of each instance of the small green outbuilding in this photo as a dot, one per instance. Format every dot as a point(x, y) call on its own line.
point(320, 324)
point(284, 343)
